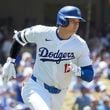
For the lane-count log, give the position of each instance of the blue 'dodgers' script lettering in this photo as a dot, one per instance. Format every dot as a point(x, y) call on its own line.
point(58, 56)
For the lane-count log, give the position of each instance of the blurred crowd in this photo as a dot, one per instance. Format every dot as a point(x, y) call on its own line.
point(85, 99)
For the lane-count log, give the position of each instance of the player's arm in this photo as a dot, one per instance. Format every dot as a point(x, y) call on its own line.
point(85, 64)
point(21, 38)
point(9, 67)
point(15, 49)
point(87, 73)
point(30, 35)
point(17, 44)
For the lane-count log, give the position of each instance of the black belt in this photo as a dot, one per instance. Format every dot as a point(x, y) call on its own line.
point(51, 89)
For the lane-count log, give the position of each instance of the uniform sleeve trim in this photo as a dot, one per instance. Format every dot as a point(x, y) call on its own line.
point(25, 37)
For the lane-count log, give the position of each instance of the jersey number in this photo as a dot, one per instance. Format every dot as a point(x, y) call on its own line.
point(66, 68)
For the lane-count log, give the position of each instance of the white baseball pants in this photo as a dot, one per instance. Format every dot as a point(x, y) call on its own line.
point(37, 97)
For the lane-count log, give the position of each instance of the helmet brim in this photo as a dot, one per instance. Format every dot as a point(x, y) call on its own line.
point(80, 18)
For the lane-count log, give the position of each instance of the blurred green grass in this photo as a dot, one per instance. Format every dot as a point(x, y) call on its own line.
point(69, 99)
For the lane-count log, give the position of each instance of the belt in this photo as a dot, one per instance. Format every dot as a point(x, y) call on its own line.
point(51, 89)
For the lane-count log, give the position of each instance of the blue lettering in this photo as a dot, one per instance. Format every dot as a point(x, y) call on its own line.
point(43, 52)
point(46, 55)
point(50, 54)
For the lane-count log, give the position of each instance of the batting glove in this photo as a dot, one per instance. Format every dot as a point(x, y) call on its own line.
point(75, 69)
point(9, 70)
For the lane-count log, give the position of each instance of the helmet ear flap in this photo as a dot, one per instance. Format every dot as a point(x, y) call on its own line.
point(61, 21)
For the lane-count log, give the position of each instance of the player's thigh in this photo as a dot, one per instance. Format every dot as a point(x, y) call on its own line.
point(36, 97)
point(57, 100)
point(36, 102)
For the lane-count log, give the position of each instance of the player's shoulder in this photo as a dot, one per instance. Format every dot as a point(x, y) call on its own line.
point(81, 44)
point(43, 28)
point(79, 40)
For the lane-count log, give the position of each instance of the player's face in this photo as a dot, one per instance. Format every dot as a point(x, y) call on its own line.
point(73, 25)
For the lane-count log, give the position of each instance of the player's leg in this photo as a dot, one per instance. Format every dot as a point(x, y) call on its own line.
point(58, 99)
point(36, 96)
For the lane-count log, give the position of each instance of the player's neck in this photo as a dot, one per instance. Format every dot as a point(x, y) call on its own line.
point(63, 33)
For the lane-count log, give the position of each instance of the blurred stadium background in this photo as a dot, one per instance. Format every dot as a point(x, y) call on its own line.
point(19, 14)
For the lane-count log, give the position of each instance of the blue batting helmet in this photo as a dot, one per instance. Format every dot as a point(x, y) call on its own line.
point(68, 12)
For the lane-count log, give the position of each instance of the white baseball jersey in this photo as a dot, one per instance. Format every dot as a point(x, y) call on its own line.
point(53, 56)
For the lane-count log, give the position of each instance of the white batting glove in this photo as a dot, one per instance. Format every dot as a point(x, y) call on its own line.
point(75, 69)
point(9, 70)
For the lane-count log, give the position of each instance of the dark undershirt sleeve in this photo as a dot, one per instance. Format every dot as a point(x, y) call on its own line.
point(15, 49)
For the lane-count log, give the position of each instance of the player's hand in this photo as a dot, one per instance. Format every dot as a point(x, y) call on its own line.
point(9, 70)
point(75, 69)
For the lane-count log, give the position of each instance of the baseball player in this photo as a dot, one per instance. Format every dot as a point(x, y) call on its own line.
point(61, 53)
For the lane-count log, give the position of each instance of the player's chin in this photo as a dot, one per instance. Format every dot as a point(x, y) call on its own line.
point(73, 31)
